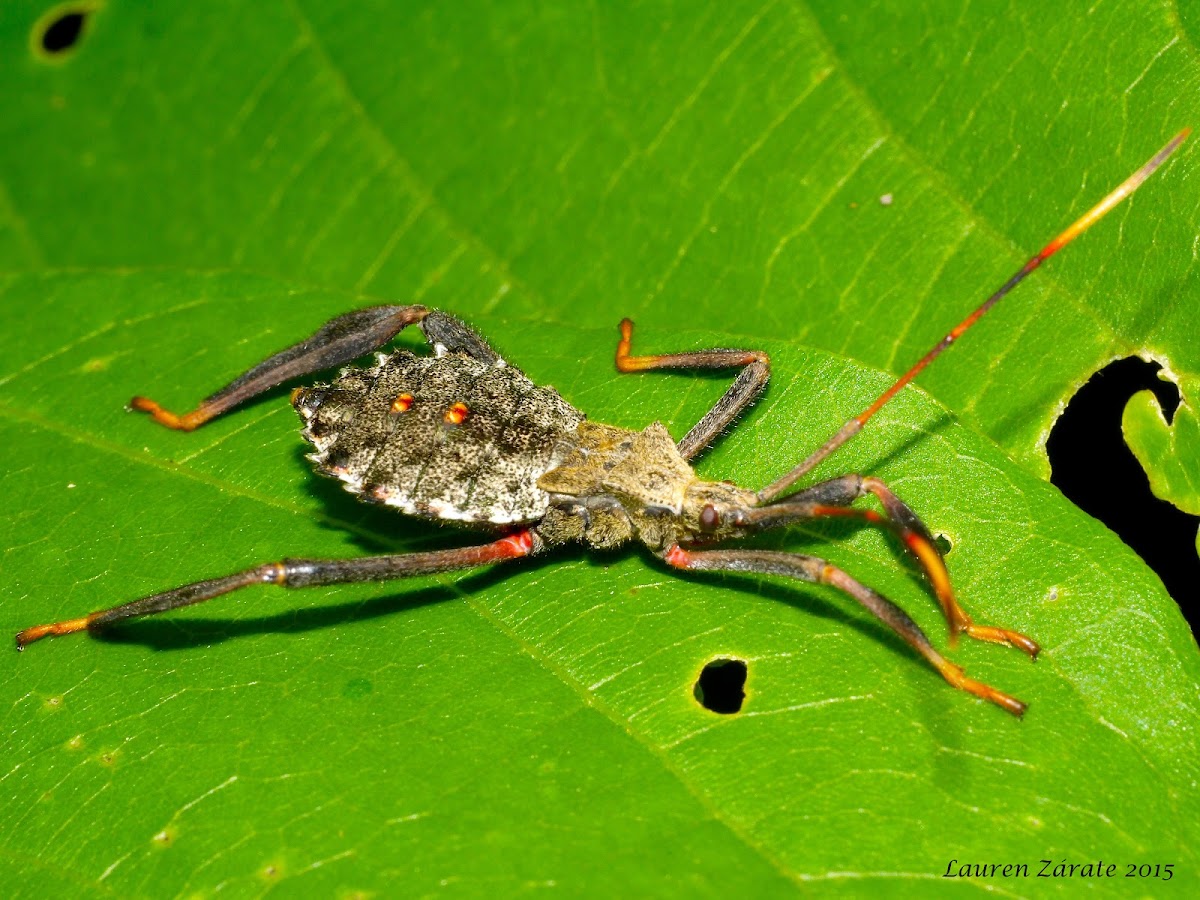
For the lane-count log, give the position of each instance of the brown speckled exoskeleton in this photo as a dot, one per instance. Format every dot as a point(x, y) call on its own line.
point(462, 435)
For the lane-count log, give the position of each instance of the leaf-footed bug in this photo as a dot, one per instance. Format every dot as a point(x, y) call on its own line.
point(462, 435)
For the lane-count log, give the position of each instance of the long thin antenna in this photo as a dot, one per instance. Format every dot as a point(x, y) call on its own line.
point(1086, 221)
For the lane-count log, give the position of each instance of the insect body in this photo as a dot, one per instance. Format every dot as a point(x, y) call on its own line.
point(450, 436)
point(460, 434)
point(463, 435)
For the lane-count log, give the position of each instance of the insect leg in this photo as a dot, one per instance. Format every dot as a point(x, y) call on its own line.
point(297, 573)
point(446, 333)
point(830, 499)
point(335, 343)
point(749, 383)
point(818, 571)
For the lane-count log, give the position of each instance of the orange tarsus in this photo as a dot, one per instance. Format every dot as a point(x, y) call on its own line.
point(954, 675)
point(625, 362)
point(37, 632)
point(188, 422)
point(1003, 636)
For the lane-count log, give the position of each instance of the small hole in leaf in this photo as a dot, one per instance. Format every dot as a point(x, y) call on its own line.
point(943, 543)
point(721, 686)
point(1094, 467)
point(61, 29)
point(63, 33)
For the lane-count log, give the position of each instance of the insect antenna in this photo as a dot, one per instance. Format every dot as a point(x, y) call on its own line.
point(1086, 221)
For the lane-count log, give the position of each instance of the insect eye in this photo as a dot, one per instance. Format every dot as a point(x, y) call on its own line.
point(709, 518)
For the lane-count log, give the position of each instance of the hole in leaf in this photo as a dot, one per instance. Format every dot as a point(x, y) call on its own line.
point(721, 686)
point(943, 543)
point(1092, 465)
point(60, 30)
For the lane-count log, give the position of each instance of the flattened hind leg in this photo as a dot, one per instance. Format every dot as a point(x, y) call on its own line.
point(448, 334)
point(336, 343)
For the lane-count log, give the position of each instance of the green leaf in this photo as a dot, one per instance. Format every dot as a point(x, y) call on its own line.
point(1169, 452)
point(586, 161)
point(191, 186)
point(517, 728)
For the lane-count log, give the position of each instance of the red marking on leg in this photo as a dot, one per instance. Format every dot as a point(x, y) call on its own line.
point(519, 544)
point(845, 512)
point(677, 557)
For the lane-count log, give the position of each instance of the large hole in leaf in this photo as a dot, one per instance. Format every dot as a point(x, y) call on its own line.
point(1092, 465)
point(60, 30)
point(721, 686)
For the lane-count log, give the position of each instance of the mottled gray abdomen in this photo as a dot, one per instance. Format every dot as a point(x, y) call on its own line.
point(447, 437)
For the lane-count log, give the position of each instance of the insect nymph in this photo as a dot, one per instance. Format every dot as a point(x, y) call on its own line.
point(461, 435)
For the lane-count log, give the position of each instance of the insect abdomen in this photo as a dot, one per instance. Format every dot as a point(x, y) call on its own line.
point(445, 437)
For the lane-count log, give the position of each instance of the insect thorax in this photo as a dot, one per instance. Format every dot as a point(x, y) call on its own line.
point(447, 437)
point(618, 485)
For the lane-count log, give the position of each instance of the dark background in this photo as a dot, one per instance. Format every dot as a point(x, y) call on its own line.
point(1096, 470)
